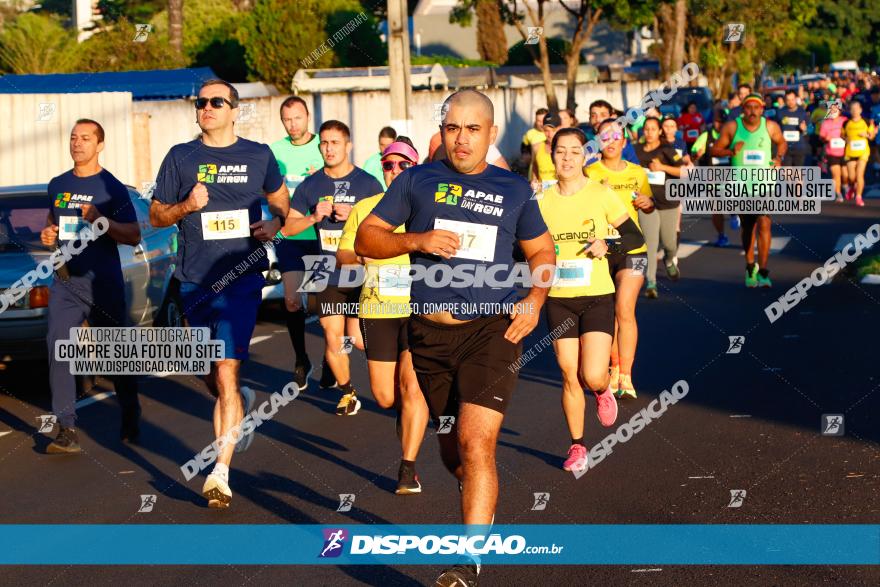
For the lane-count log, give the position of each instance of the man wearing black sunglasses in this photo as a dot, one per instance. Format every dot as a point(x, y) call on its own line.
point(212, 188)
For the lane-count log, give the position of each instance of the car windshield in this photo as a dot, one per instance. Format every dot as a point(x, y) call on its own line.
point(682, 99)
point(21, 220)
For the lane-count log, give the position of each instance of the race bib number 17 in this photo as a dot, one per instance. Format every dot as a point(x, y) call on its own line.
point(477, 240)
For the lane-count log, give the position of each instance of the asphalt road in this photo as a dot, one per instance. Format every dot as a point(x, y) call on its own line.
point(750, 421)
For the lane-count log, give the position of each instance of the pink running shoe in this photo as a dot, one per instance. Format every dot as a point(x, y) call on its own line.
point(850, 192)
point(860, 202)
point(606, 408)
point(577, 458)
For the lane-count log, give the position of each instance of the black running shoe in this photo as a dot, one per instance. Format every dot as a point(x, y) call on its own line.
point(67, 442)
point(301, 375)
point(407, 481)
point(458, 576)
point(328, 380)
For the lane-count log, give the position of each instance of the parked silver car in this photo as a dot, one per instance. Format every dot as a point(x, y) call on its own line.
point(150, 292)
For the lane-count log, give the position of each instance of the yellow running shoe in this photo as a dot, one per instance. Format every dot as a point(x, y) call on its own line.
point(626, 386)
point(613, 387)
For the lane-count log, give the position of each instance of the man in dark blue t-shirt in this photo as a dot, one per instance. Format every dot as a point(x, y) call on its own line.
point(89, 286)
point(793, 121)
point(212, 188)
point(464, 350)
point(324, 200)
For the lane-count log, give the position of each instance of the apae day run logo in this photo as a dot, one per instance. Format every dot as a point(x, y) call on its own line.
point(334, 538)
point(447, 193)
point(69, 200)
point(212, 173)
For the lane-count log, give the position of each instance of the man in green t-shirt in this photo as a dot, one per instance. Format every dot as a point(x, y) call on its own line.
point(298, 157)
point(373, 165)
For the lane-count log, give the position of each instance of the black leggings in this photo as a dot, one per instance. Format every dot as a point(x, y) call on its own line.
point(748, 222)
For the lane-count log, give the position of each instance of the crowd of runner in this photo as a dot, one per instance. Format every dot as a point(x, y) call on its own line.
point(602, 224)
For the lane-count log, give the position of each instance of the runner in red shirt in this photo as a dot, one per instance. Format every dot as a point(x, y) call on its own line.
point(691, 124)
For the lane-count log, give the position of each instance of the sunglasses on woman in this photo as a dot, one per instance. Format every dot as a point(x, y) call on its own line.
point(606, 137)
point(216, 103)
point(390, 165)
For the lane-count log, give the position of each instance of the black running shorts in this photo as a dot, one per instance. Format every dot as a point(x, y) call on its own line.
point(584, 314)
point(384, 338)
point(335, 301)
point(619, 261)
point(464, 363)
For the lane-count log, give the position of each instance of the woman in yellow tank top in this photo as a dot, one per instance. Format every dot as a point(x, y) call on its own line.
point(543, 169)
point(858, 134)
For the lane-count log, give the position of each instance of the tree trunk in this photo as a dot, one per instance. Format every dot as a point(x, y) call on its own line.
point(552, 103)
point(680, 24)
point(666, 26)
point(175, 25)
point(491, 42)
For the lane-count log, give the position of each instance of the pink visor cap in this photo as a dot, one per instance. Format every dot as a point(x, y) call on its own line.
point(402, 149)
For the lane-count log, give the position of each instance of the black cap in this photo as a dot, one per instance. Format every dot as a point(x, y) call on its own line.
point(552, 119)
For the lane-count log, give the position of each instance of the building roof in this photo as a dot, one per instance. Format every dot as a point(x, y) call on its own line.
point(160, 84)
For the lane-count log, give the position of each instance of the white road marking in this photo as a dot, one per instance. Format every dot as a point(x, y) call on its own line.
point(871, 279)
point(94, 398)
point(4, 433)
point(258, 339)
point(740, 415)
point(705, 477)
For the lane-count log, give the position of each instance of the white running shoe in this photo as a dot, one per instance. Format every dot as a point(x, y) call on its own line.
point(216, 491)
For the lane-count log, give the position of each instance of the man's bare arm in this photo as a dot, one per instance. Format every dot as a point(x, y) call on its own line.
point(376, 239)
point(721, 147)
point(162, 215)
point(279, 201)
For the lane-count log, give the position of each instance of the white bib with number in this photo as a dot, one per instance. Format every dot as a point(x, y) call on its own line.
point(69, 227)
point(394, 280)
point(330, 239)
point(656, 177)
point(753, 156)
point(477, 240)
point(573, 273)
point(223, 225)
point(720, 160)
point(693, 133)
point(837, 143)
point(858, 145)
point(791, 136)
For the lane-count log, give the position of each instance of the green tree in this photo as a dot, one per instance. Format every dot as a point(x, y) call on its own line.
point(115, 50)
point(849, 30)
point(278, 40)
point(35, 43)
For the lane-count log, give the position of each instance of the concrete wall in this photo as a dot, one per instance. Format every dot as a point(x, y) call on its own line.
point(36, 131)
point(37, 150)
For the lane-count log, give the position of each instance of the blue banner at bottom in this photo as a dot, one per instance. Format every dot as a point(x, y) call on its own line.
point(163, 544)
